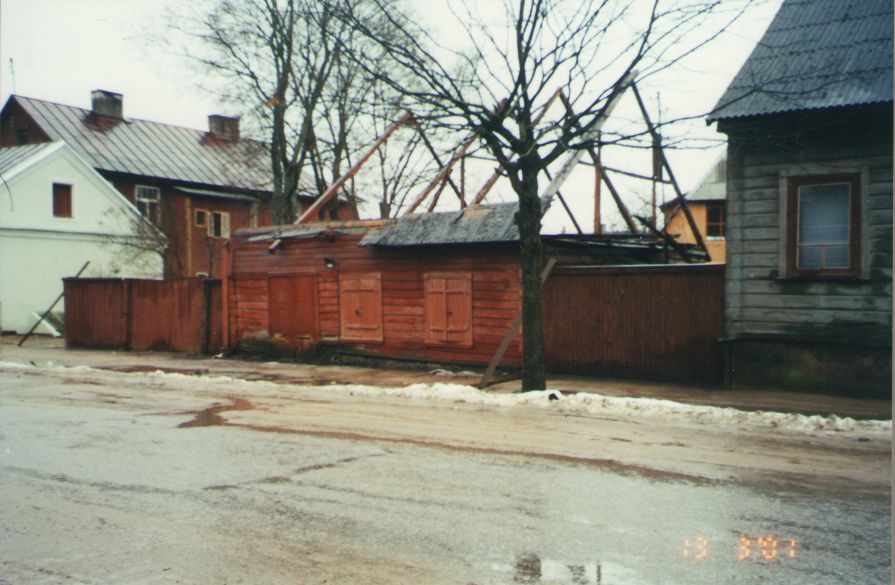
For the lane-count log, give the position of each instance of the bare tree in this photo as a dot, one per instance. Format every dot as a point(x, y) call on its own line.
point(296, 64)
point(514, 56)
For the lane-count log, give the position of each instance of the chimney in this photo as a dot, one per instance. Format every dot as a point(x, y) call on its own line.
point(223, 126)
point(106, 103)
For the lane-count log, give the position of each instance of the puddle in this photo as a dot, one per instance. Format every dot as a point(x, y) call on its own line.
point(211, 416)
point(532, 569)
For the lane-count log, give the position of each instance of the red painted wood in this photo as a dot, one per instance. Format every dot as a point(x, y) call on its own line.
point(293, 310)
point(646, 322)
point(493, 270)
point(142, 314)
point(448, 307)
point(360, 307)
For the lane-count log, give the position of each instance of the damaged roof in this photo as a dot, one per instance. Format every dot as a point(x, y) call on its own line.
point(154, 149)
point(815, 54)
point(476, 224)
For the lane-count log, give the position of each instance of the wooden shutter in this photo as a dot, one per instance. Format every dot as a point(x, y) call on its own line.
point(360, 307)
point(448, 299)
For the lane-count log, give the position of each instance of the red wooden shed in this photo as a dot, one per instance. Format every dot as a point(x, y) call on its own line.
point(442, 287)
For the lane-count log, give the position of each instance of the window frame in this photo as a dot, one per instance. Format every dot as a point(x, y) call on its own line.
point(224, 223)
point(140, 198)
point(722, 224)
point(204, 222)
point(793, 184)
point(60, 189)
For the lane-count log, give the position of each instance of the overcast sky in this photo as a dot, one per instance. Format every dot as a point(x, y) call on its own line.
point(60, 50)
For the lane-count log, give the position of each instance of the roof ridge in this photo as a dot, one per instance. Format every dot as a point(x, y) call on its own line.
point(131, 118)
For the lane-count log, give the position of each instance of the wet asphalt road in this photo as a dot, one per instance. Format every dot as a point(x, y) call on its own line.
point(114, 478)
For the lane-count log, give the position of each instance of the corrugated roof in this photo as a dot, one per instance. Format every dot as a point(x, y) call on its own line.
point(712, 186)
point(153, 149)
point(474, 225)
point(13, 155)
point(815, 54)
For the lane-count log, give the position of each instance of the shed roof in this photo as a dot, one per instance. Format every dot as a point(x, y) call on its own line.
point(477, 224)
point(815, 54)
point(154, 149)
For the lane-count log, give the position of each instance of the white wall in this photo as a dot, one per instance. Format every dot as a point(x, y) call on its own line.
point(37, 250)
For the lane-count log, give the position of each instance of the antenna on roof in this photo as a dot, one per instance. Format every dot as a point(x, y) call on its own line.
point(12, 74)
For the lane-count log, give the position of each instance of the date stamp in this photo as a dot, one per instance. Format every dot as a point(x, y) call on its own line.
point(766, 547)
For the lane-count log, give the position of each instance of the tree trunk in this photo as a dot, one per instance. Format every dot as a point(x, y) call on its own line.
point(528, 219)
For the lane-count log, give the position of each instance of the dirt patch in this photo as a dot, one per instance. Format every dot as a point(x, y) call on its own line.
point(211, 416)
point(610, 464)
point(131, 369)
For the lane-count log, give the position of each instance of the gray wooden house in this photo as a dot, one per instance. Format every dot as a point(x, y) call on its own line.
point(808, 118)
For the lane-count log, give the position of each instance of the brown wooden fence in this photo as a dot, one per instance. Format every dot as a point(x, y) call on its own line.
point(180, 315)
point(659, 322)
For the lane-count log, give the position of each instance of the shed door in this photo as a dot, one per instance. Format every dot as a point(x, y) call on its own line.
point(293, 310)
point(448, 308)
point(360, 307)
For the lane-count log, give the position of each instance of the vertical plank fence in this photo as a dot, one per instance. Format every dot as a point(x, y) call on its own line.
point(175, 315)
point(651, 322)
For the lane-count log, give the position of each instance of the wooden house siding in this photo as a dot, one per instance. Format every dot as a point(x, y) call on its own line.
point(759, 298)
point(495, 294)
point(762, 302)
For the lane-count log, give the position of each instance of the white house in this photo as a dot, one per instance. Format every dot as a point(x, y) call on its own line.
point(56, 213)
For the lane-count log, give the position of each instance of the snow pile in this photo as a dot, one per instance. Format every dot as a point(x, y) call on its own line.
point(16, 365)
point(598, 404)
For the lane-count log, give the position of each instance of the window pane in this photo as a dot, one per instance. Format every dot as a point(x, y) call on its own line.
point(810, 257)
point(823, 214)
point(836, 257)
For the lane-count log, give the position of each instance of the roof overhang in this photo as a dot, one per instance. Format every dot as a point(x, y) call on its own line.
point(217, 194)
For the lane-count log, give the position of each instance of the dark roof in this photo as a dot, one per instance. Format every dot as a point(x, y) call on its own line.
point(815, 54)
point(13, 155)
point(153, 149)
point(476, 224)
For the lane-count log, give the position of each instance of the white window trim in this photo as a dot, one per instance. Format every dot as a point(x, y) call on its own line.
point(138, 197)
point(225, 223)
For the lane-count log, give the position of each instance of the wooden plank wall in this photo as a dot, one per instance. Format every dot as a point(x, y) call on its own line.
point(96, 313)
point(659, 322)
point(760, 300)
point(496, 292)
point(177, 315)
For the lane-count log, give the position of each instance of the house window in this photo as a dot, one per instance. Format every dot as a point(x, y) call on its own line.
point(201, 218)
point(448, 302)
point(360, 307)
point(61, 200)
point(218, 224)
point(714, 224)
point(22, 136)
point(148, 202)
point(823, 225)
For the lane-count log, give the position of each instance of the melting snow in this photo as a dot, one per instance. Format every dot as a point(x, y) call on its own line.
point(590, 403)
